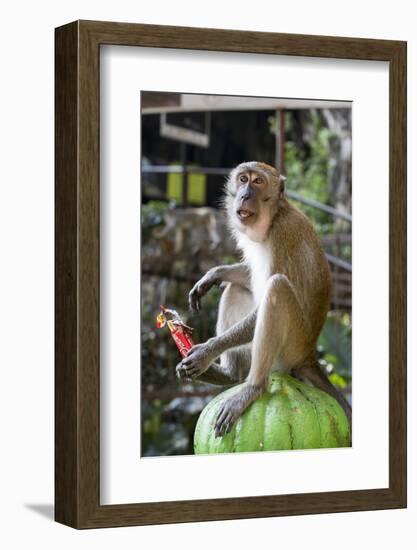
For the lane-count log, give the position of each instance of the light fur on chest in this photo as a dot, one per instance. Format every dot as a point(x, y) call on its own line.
point(258, 257)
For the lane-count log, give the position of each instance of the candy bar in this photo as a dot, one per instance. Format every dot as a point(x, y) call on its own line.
point(180, 332)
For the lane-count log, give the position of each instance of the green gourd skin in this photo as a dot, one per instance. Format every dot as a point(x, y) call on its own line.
point(289, 415)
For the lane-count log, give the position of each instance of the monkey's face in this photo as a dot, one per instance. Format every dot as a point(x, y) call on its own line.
point(254, 189)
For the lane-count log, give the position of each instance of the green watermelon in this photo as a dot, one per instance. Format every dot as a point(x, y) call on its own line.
point(289, 415)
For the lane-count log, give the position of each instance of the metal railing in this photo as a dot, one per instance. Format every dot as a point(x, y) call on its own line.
point(335, 262)
point(179, 169)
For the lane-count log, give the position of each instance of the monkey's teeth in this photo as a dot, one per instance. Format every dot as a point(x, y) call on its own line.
point(244, 213)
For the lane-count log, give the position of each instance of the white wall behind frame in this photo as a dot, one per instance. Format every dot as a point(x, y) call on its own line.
point(26, 220)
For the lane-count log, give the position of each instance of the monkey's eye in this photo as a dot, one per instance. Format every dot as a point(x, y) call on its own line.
point(258, 181)
point(243, 178)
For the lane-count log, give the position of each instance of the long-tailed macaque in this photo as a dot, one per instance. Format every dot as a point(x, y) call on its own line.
point(275, 301)
point(179, 220)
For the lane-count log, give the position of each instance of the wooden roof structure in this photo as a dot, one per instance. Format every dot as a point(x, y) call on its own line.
point(163, 102)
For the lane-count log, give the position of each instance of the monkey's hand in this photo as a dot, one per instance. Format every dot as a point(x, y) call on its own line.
point(182, 373)
point(197, 361)
point(201, 288)
point(235, 406)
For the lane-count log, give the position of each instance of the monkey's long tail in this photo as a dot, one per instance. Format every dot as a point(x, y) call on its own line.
point(312, 373)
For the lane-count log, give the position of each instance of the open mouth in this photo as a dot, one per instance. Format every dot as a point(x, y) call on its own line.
point(244, 213)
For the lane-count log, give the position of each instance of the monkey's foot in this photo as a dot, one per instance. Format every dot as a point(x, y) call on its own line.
point(235, 406)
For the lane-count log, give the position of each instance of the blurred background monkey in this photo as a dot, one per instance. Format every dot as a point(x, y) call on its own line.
point(179, 220)
point(275, 301)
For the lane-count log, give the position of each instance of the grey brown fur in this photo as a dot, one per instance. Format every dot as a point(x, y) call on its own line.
point(275, 301)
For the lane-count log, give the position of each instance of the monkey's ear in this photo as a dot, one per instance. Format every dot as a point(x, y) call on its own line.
point(282, 180)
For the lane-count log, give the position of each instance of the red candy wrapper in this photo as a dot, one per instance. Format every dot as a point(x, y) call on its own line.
point(180, 332)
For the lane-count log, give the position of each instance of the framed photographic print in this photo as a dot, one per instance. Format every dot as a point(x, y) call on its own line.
point(230, 274)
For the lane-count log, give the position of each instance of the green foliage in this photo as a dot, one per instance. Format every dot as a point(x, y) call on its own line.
point(307, 171)
point(335, 342)
point(152, 215)
point(337, 380)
